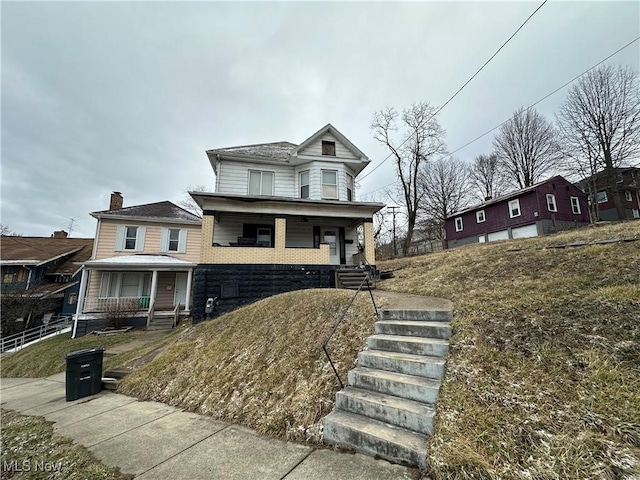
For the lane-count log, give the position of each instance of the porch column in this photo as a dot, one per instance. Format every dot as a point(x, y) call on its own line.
point(152, 296)
point(369, 244)
point(187, 302)
point(80, 304)
point(281, 234)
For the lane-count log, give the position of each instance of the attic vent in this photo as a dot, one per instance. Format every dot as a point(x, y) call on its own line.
point(328, 148)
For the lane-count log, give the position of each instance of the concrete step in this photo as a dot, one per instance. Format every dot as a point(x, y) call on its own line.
point(422, 315)
point(375, 438)
point(419, 365)
point(409, 414)
point(414, 345)
point(421, 389)
point(414, 328)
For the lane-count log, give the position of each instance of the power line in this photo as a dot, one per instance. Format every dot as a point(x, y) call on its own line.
point(465, 84)
point(530, 106)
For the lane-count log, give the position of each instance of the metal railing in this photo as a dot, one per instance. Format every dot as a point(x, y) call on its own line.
point(342, 317)
point(106, 304)
point(18, 340)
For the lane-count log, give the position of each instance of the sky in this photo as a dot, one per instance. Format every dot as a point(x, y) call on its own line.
point(128, 96)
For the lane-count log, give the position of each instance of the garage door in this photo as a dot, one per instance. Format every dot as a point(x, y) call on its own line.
point(501, 235)
point(525, 232)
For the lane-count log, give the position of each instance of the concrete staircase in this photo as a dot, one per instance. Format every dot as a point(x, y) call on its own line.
point(352, 278)
point(387, 409)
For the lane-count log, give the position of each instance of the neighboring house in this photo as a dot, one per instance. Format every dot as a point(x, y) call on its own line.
point(283, 217)
point(40, 275)
point(142, 262)
point(598, 189)
point(546, 207)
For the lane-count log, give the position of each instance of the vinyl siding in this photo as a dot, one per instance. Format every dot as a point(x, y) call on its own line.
point(315, 148)
point(235, 180)
point(107, 240)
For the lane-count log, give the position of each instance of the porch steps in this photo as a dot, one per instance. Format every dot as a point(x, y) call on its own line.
point(352, 278)
point(160, 323)
point(388, 408)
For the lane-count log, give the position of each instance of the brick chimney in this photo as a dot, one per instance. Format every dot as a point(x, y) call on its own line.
point(116, 201)
point(60, 234)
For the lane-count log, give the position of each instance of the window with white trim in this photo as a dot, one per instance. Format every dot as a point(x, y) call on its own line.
point(330, 184)
point(628, 196)
point(459, 225)
point(551, 202)
point(304, 184)
point(130, 237)
point(514, 208)
point(328, 148)
point(173, 240)
point(575, 205)
point(480, 216)
point(260, 182)
point(601, 197)
point(125, 284)
point(349, 188)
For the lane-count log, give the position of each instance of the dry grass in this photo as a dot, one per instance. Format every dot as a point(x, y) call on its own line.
point(47, 357)
point(544, 374)
point(28, 444)
point(261, 365)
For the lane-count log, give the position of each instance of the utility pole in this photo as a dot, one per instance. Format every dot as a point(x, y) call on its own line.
point(393, 211)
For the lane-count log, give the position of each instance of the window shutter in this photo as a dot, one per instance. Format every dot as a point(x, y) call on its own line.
point(164, 240)
point(140, 239)
point(120, 238)
point(182, 241)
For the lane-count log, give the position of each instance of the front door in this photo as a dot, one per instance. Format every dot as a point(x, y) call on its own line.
point(180, 292)
point(330, 236)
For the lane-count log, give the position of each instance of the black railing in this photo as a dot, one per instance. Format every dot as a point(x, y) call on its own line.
point(344, 314)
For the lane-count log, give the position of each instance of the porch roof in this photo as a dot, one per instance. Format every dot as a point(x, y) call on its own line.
point(220, 202)
point(128, 262)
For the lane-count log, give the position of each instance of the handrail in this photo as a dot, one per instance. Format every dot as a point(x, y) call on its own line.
point(344, 314)
point(176, 315)
point(20, 339)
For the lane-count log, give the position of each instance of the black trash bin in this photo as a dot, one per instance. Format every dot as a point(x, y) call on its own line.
point(84, 373)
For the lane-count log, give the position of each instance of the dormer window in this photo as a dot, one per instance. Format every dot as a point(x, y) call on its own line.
point(328, 148)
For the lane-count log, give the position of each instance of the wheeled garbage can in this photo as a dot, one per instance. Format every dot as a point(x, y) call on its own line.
point(84, 373)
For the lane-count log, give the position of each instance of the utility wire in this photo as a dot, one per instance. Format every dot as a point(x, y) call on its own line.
point(463, 86)
point(530, 106)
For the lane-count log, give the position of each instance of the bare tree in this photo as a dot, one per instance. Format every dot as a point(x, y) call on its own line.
point(600, 119)
point(486, 177)
point(446, 183)
point(526, 147)
point(188, 203)
point(421, 138)
point(5, 231)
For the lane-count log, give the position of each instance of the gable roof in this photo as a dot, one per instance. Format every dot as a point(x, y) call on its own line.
point(41, 250)
point(160, 211)
point(328, 128)
point(509, 196)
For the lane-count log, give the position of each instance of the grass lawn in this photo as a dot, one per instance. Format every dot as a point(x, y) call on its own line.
point(543, 378)
point(29, 444)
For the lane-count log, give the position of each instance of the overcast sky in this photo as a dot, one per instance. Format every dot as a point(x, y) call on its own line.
point(108, 96)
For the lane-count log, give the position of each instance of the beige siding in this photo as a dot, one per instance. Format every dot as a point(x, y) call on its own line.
point(316, 148)
point(165, 290)
point(106, 246)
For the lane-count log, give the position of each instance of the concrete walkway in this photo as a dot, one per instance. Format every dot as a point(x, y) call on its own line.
point(155, 441)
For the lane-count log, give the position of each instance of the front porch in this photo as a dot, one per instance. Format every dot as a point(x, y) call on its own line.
point(142, 287)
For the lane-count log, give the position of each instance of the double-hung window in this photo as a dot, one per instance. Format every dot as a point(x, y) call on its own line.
point(514, 208)
point(575, 205)
point(173, 240)
point(304, 184)
point(601, 197)
point(459, 224)
point(130, 238)
point(480, 216)
point(330, 184)
point(551, 202)
point(349, 188)
point(260, 183)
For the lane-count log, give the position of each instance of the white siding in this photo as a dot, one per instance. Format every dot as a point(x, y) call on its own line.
point(315, 148)
point(235, 180)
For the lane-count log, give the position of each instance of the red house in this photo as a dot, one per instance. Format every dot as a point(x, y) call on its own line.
point(546, 207)
point(628, 185)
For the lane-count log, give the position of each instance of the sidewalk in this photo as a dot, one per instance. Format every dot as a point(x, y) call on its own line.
point(155, 441)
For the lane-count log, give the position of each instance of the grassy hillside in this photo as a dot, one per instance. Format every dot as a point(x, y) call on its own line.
point(544, 376)
point(262, 365)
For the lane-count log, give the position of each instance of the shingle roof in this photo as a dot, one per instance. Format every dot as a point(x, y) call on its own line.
point(275, 150)
point(35, 250)
point(160, 210)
